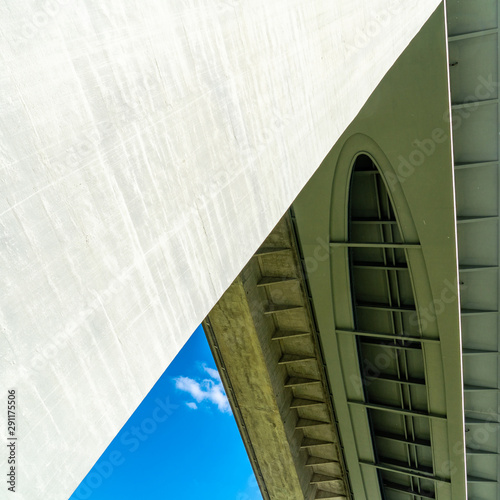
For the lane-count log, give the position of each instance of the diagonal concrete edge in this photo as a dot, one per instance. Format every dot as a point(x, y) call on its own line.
point(146, 151)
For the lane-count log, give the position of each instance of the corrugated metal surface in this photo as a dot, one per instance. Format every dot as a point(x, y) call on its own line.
point(473, 48)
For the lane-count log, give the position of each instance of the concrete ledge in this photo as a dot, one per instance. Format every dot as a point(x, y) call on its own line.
point(272, 369)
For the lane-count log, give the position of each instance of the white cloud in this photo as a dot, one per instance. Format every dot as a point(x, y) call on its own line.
point(252, 491)
point(210, 390)
point(213, 373)
point(189, 385)
point(192, 405)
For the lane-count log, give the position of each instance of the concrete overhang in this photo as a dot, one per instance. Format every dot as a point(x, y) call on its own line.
point(146, 150)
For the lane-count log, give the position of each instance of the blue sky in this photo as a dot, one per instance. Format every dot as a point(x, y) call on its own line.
point(181, 442)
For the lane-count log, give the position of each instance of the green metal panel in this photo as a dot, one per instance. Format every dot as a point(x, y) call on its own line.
point(474, 58)
point(402, 129)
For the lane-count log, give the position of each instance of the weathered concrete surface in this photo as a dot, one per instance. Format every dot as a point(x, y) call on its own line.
point(146, 150)
point(264, 341)
point(245, 361)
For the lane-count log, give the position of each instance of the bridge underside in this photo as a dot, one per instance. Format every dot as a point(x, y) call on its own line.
point(340, 342)
point(146, 150)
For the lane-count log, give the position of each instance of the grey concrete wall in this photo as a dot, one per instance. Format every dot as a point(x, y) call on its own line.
point(146, 150)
